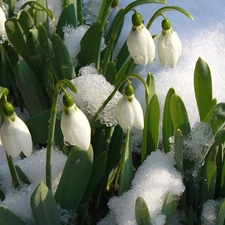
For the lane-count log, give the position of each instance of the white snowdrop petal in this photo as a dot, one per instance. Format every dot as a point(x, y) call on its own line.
point(16, 137)
point(169, 48)
point(23, 137)
point(2, 21)
point(124, 113)
point(141, 45)
point(76, 128)
point(138, 114)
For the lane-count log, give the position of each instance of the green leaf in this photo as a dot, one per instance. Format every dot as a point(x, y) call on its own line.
point(141, 212)
point(47, 76)
point(153, 124)
point(218, 116)
point(151, 84)
point(203, 88)
point(209, 173)
point(62, 22)
point(33, 47)
point(90, 50)
point(126, 175)
point(63, 58)
point(169, 207)
point(167, 124)
point(9, 218)
point(17, 30)
point(179, 115)
point(110, 74)
point(210, 113)
point(38, 126)
point(22, 175)
point(221, 214)
point(74, 178)
point(44, 207)
point(41, 16)
point(98, 170)
point(178, 145)
point(33, 93)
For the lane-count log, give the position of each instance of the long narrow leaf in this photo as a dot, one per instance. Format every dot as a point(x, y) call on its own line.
point(203, 87)
point(44, 207)
point(74, 178)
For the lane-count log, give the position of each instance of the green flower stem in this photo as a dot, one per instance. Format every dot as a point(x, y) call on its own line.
point(165, 9)
point(51, 131)
point(128, 76)
point(127, 9)
point(13, 173)
point(51, 134)
point(3, 55)
point(40, 7)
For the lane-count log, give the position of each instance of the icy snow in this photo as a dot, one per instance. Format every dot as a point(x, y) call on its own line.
point(152, 181)
point(93, 90)
point(18, 201)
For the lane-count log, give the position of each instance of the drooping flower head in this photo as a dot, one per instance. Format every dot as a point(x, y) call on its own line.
point(169, 45)
point(74, 124)
point(129, 111)
point(140, 43)
point(15, 135)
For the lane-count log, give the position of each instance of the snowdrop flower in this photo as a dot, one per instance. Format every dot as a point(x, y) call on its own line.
point(2, 21)
point(15, 135)
point(169, 45)
point(129, 111)
point(140, 43)
point(75, 125)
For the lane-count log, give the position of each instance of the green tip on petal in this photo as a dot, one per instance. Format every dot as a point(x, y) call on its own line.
point(136, 19)
point(129, 90)
point(166, 24)
point(67, 100)
point(8, 109)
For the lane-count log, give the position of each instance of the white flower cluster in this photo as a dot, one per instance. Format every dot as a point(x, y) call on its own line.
point(142, 48)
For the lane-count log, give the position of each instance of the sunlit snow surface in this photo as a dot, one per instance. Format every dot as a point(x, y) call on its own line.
point(152, 181)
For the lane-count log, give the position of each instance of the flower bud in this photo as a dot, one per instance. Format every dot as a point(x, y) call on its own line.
point(115, 3)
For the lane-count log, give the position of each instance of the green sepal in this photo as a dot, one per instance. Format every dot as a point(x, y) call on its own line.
point(75, 177)
point(167, 124)
point(33, 93)
point(141, 212)
point(63, 59)
point(43, 205)
point(129, 90)
point(126, 175)
point(9, 218)
point(203, 88)
point(22, 176)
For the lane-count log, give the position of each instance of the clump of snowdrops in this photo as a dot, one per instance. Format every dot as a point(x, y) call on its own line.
point(37, 72)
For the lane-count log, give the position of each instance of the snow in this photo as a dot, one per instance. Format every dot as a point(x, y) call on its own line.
point(153, 179)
